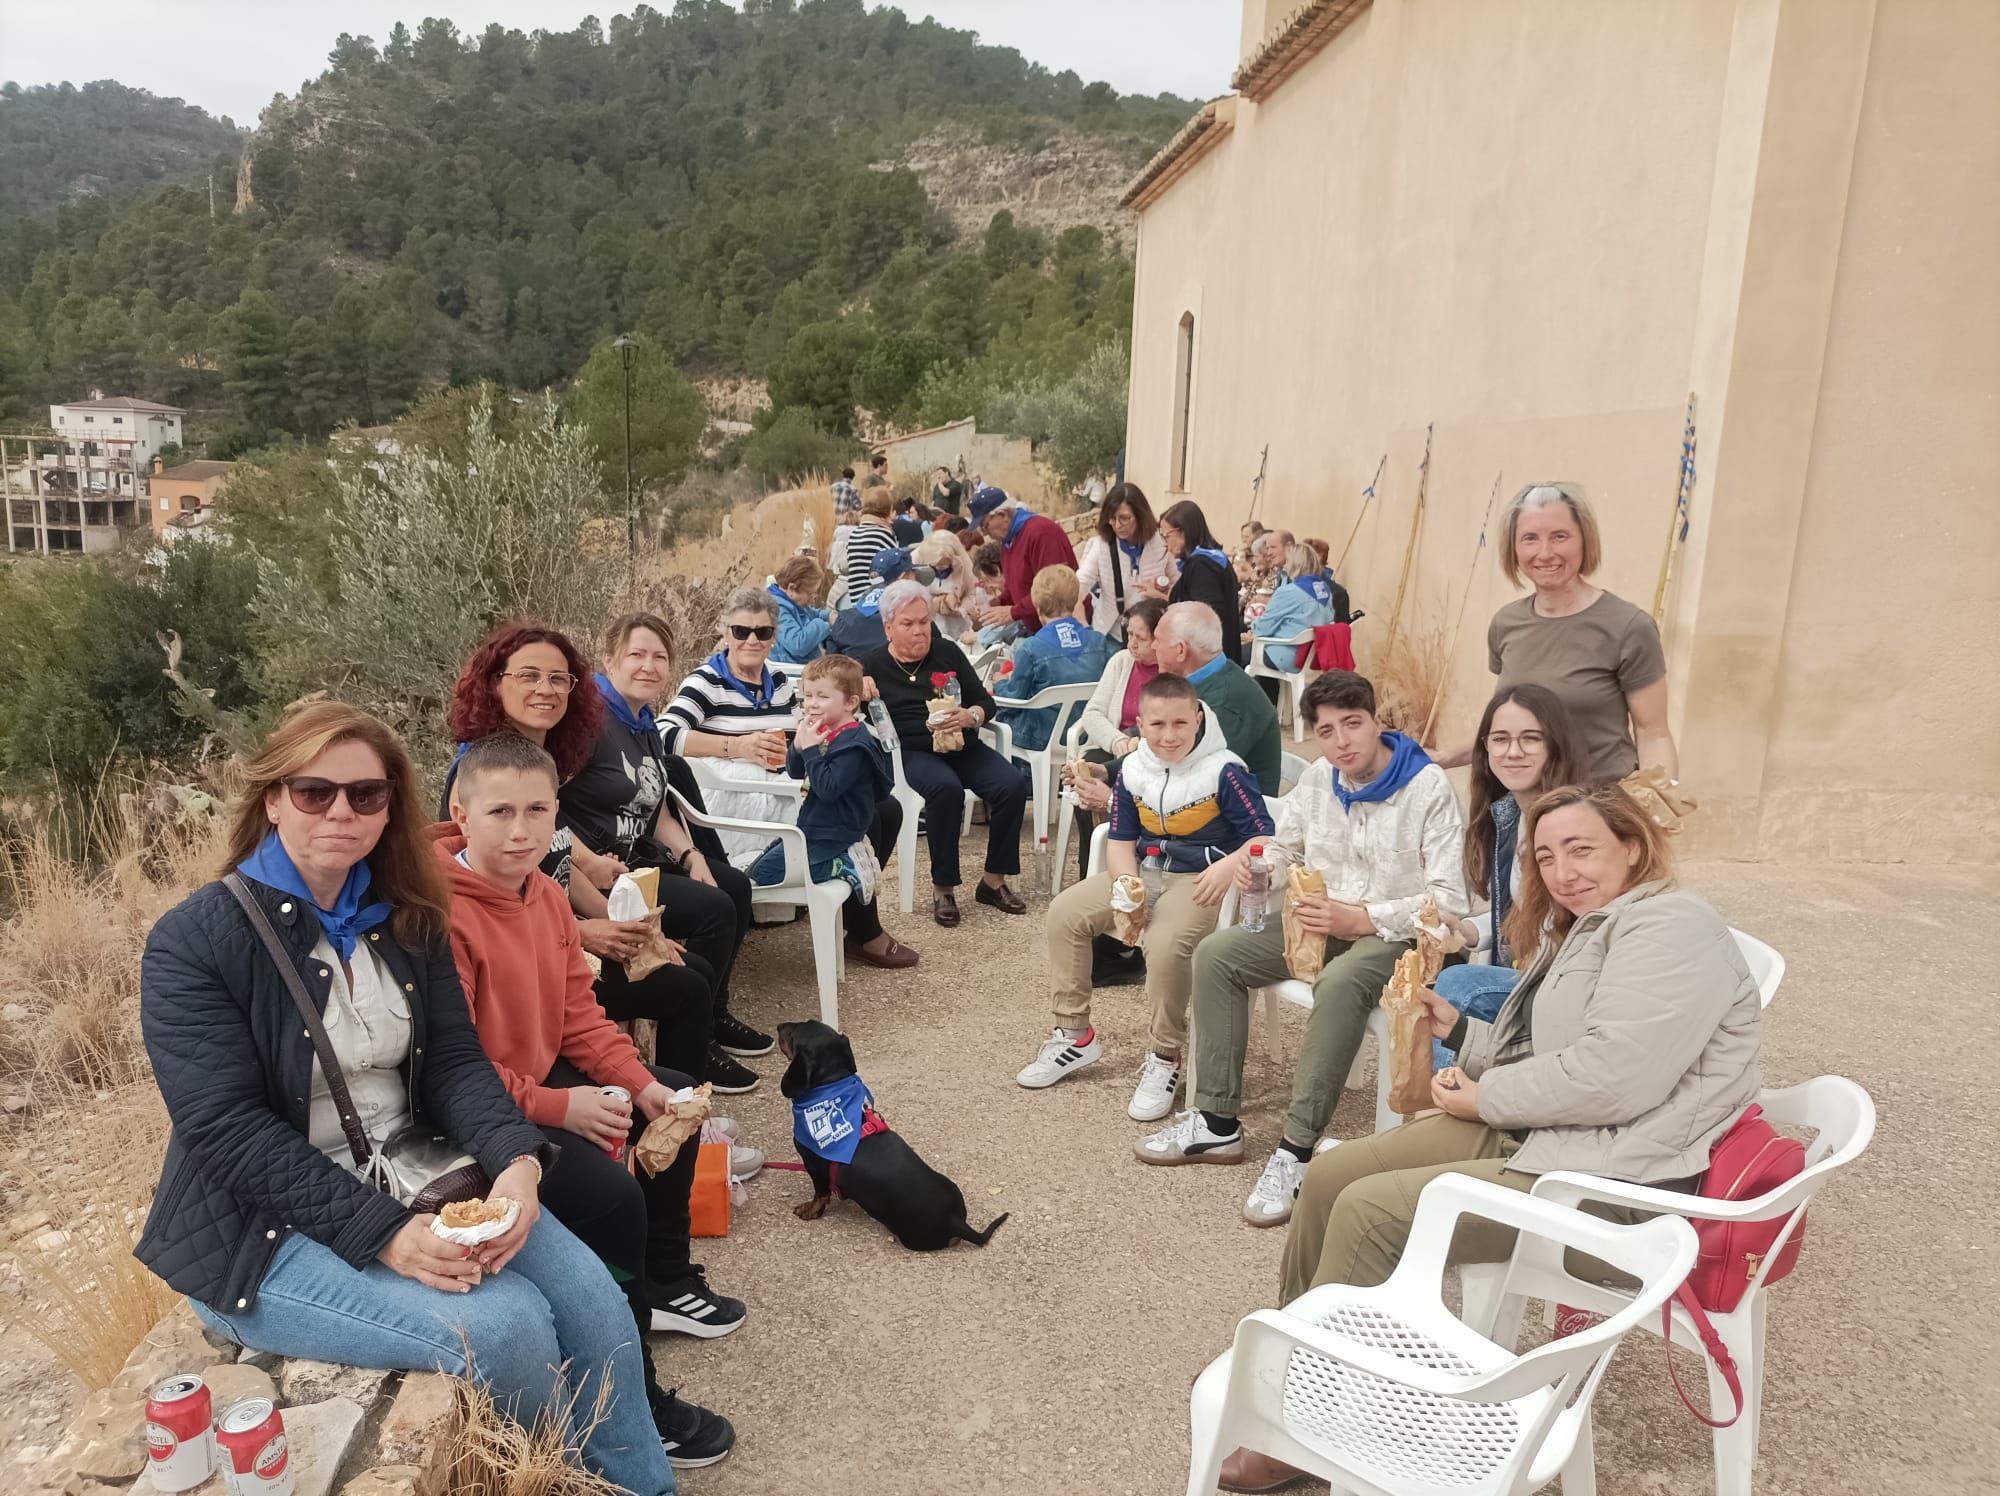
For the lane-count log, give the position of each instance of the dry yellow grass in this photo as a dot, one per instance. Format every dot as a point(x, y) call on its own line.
point(756, 539)
point(78, 1194)
point(1408, 680)
point(494, 1456)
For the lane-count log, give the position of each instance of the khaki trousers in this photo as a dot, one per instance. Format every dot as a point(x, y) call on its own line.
point(1354, 1209)
point(1232, 962)
point(1177, 925)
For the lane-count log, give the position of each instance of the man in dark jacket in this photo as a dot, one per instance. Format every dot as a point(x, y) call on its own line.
point(1028, 542)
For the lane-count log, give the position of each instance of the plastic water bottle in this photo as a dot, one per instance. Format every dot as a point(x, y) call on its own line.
point(1256, 899)
point(951, 690)
point(1153, 873)
point(878, 722)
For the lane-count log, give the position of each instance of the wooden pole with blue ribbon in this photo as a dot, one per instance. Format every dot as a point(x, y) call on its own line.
point(1367, 498)
point(1677, 532)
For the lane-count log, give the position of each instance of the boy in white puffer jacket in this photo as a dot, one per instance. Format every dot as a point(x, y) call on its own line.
point(1185, 793)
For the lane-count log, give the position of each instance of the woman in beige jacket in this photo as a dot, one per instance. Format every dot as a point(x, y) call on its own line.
point(1627, 1048)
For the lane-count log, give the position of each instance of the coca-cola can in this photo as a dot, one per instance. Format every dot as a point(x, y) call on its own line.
point(179, 1446)
point(618, 1093)
point(251, 1447)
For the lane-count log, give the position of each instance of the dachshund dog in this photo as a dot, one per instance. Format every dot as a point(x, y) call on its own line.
point(849, 1150)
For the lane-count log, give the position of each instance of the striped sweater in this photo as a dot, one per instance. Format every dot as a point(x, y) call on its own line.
point(713, 700)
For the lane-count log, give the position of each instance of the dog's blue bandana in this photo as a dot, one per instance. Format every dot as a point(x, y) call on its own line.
point(828, 1119)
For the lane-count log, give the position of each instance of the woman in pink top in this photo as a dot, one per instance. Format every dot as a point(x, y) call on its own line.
point(1110, 720)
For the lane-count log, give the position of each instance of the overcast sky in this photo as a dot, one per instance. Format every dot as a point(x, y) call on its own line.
point(231, 56)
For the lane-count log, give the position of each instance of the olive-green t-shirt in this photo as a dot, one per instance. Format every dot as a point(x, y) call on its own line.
point(1591, 660)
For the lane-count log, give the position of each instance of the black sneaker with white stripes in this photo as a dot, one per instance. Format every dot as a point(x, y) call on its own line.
point(688, 1306)
point(691, 1436)
point(738, 1038)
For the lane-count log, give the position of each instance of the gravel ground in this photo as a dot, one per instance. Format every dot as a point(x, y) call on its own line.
point(1059, 1358)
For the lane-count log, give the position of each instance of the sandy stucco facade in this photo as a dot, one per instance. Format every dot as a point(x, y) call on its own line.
point(1539, 225)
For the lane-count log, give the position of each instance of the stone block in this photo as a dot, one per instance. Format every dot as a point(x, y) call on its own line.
point(231, 1382)
point(421, 1422)
point(386, 1480)
point(317, 1381)
point(177, 1344)
point(321, 1436)
point(107, 1439)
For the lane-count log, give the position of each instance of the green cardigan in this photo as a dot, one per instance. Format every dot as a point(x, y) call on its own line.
point(1249, 721)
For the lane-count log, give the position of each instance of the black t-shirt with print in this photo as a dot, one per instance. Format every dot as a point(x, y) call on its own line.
point(611, 801)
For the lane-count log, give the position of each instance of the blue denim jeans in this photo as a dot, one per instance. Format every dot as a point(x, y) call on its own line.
point(768, 871)
point(554, 1302)
point(1477, 992)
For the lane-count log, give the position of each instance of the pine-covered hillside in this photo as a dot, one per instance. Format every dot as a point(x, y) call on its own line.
point(728, 182)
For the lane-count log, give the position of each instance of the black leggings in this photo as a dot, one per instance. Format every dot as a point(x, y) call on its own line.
point(680, 1002)
point(637, 1224)
point(710, 922)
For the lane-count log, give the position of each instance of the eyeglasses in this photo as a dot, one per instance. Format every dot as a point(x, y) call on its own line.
point(1504, 742)
point(763, 631)
point(556, 680)
point(365, 797)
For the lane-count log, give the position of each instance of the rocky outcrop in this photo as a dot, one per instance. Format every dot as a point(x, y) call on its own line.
point(1067, 180)
point(352, 1431)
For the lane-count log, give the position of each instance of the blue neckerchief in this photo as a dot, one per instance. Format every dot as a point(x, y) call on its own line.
point(1214, 555)
point(642, 722)
point(1319, 585)
point(1406, 761)
point(1021, 517)
point(827, 1119)
point(870, 604)
point(1196, 677)
point(1506, 813)
point(1133, 550)
point(347, 921)
point(759, 696)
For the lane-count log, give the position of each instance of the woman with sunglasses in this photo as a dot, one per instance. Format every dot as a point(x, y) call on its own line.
point(951, 582)
point(1206, 575)
point(523, 678)
point(618, 803)
point(736, 711)
point(263, 1217)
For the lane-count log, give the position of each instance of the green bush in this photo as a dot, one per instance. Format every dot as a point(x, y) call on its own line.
point(792, 446)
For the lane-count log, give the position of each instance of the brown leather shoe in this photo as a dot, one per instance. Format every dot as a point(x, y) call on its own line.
point(1247, 1471)
point(1002, 898)
point(944, 909)
point(895, 958)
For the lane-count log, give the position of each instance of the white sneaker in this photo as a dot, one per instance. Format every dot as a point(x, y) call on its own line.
point(1158, 1081)
point(1187, 1140)
point(1059, 1056)
point(726, 1126)
point(744, 1161)
point(1270, 1202)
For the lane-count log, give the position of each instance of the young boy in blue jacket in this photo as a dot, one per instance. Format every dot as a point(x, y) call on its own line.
point(846, 773)
point(1184, 792)
point(802, 628)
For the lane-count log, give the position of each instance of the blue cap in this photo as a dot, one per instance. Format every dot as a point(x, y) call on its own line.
point(890, 564)
point(986, 501)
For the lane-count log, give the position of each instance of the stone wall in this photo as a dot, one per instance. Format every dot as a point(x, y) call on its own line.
point(352, 1431)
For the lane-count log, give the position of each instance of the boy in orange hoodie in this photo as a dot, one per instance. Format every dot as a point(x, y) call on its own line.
point(535, 1006)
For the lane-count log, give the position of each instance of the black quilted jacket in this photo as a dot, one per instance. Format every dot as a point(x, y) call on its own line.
point(235, 1066)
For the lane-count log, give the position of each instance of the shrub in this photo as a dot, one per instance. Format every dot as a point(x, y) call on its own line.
point(792, 445)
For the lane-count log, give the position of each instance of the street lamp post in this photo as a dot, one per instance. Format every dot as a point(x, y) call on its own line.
point(624, 344)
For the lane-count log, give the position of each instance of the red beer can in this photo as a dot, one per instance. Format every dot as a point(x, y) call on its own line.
point(179, 1447)
point(618, 1093)
point(251, 1447)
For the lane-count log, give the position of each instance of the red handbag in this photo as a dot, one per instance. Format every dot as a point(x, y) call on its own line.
point(1749, 1160)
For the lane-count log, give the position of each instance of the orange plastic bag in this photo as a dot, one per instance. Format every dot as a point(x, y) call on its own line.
point(708, 1200)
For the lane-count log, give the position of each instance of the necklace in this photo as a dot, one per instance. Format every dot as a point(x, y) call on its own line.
point(910, 671)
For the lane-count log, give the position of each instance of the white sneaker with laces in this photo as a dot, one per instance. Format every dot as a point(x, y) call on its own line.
point(1270, 1202)
point(1187, 1140)
point(744, 1160)
point(726, 1128)
point(1060, 1056)
point(1158, 1081)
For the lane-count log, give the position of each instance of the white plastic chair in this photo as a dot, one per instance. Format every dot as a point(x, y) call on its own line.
point(1292, 681)
point(1842, 1118)
point(822, 901)
point(996, 736)
point(1291, 769)
point(1767, 967)
point(1068, 702)
point(1382, 1390)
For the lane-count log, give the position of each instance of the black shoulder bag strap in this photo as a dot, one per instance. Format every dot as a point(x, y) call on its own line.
point(329, 1062)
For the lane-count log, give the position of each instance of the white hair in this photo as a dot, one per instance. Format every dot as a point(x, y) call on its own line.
point(899, 595)
point(1192, 624)
point(750, 600)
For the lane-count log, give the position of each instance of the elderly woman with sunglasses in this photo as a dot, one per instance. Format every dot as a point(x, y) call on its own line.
point(264, 1217)
point(736, 711)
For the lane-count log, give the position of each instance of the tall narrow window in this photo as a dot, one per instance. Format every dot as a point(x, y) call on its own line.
point(1183, 385)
